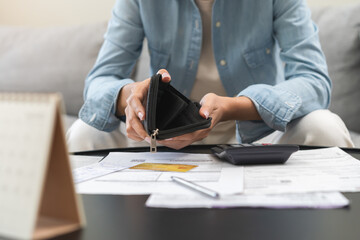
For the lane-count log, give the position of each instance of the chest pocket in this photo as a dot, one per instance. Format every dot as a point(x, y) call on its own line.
point(261, 63)
point(158, 60)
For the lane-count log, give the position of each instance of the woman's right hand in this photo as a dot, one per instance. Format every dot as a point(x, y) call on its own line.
point(132, 102)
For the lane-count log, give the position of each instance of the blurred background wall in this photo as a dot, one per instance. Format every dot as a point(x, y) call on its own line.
point(73, 12)
point(54, 12)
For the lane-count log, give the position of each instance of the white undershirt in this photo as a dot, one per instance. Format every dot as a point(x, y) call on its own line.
point(208, 79)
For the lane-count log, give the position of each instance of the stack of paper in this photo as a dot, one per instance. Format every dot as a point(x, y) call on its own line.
point(95, 168)
point(327, 169)
point(311, 178)
point(290, 200)
point(210, 172)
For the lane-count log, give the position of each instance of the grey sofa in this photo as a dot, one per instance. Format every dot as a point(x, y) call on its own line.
point(58, 59)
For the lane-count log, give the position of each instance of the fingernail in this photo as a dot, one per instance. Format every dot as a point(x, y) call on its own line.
point(169, 139)
point(206, 113)
point(147, 139)
point(165, 75)
point(140, 115)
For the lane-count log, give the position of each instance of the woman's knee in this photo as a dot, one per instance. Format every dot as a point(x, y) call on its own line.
point(323, 128)
point(82, 137)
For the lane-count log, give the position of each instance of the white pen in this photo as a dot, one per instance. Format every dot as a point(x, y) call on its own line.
point(196, 187)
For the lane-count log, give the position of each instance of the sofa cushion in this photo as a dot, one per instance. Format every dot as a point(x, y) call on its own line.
point(339, 30)
point(55, 59)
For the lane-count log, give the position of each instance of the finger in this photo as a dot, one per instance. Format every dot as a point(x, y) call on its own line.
point(207, 105)
point(137, 98)
point(130, 133)
point(135, 137)
point(138, 128)
point(137, 106)
point(185, 137)
point(194, 136)
point(165, 76)
point(142, 88)
point(133, 126)
point(175, 144)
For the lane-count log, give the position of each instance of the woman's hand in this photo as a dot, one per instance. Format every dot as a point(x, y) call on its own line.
point(131, 102)
point(219, 109)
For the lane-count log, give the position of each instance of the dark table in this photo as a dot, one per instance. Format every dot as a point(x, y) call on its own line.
point(126, 217)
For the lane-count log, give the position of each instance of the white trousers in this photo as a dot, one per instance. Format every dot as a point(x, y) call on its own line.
point(319, 128)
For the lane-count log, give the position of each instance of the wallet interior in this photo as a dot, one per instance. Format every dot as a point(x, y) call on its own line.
point(170, 112)
point(173, 111)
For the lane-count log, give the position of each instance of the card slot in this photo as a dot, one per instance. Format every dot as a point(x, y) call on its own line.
point(188, 116)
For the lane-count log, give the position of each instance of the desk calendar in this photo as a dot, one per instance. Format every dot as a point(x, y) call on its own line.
point(37, 195)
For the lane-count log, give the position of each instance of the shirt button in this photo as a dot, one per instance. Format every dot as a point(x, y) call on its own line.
point(223, 62)
point(268, 51)
point(93, 117)
point(218, 24)
point(196, 24)
point(191, 64)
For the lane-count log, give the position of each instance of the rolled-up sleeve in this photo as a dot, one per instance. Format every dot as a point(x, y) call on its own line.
point(117, 57)
point(306, 86)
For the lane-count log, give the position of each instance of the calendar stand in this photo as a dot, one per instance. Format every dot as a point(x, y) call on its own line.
point(46, 206)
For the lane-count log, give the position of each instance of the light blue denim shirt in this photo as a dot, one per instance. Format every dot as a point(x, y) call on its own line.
point(266, 50)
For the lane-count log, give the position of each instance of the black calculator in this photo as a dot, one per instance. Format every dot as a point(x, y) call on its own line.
point(256, 153)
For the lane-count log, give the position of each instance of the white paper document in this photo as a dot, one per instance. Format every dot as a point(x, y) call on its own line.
point(86, 167)
point(291, 200)
point(210, 172)
point(98, 169)
point(320, 170)
point(78, 161)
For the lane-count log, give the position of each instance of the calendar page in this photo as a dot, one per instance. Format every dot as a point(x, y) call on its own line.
point(27, 129)
point(26, 124)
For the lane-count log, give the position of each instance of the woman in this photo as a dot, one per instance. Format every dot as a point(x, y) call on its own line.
point(256, 64)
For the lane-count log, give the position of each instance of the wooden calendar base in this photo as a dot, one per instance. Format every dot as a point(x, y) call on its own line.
point(50, 227)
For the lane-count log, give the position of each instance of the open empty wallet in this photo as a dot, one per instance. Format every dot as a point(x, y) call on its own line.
point(169, 113)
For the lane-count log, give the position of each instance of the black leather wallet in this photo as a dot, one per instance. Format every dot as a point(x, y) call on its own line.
point(169, 113)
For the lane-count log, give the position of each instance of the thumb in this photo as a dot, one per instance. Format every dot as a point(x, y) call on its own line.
point(206, 106)
point(165, 76)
